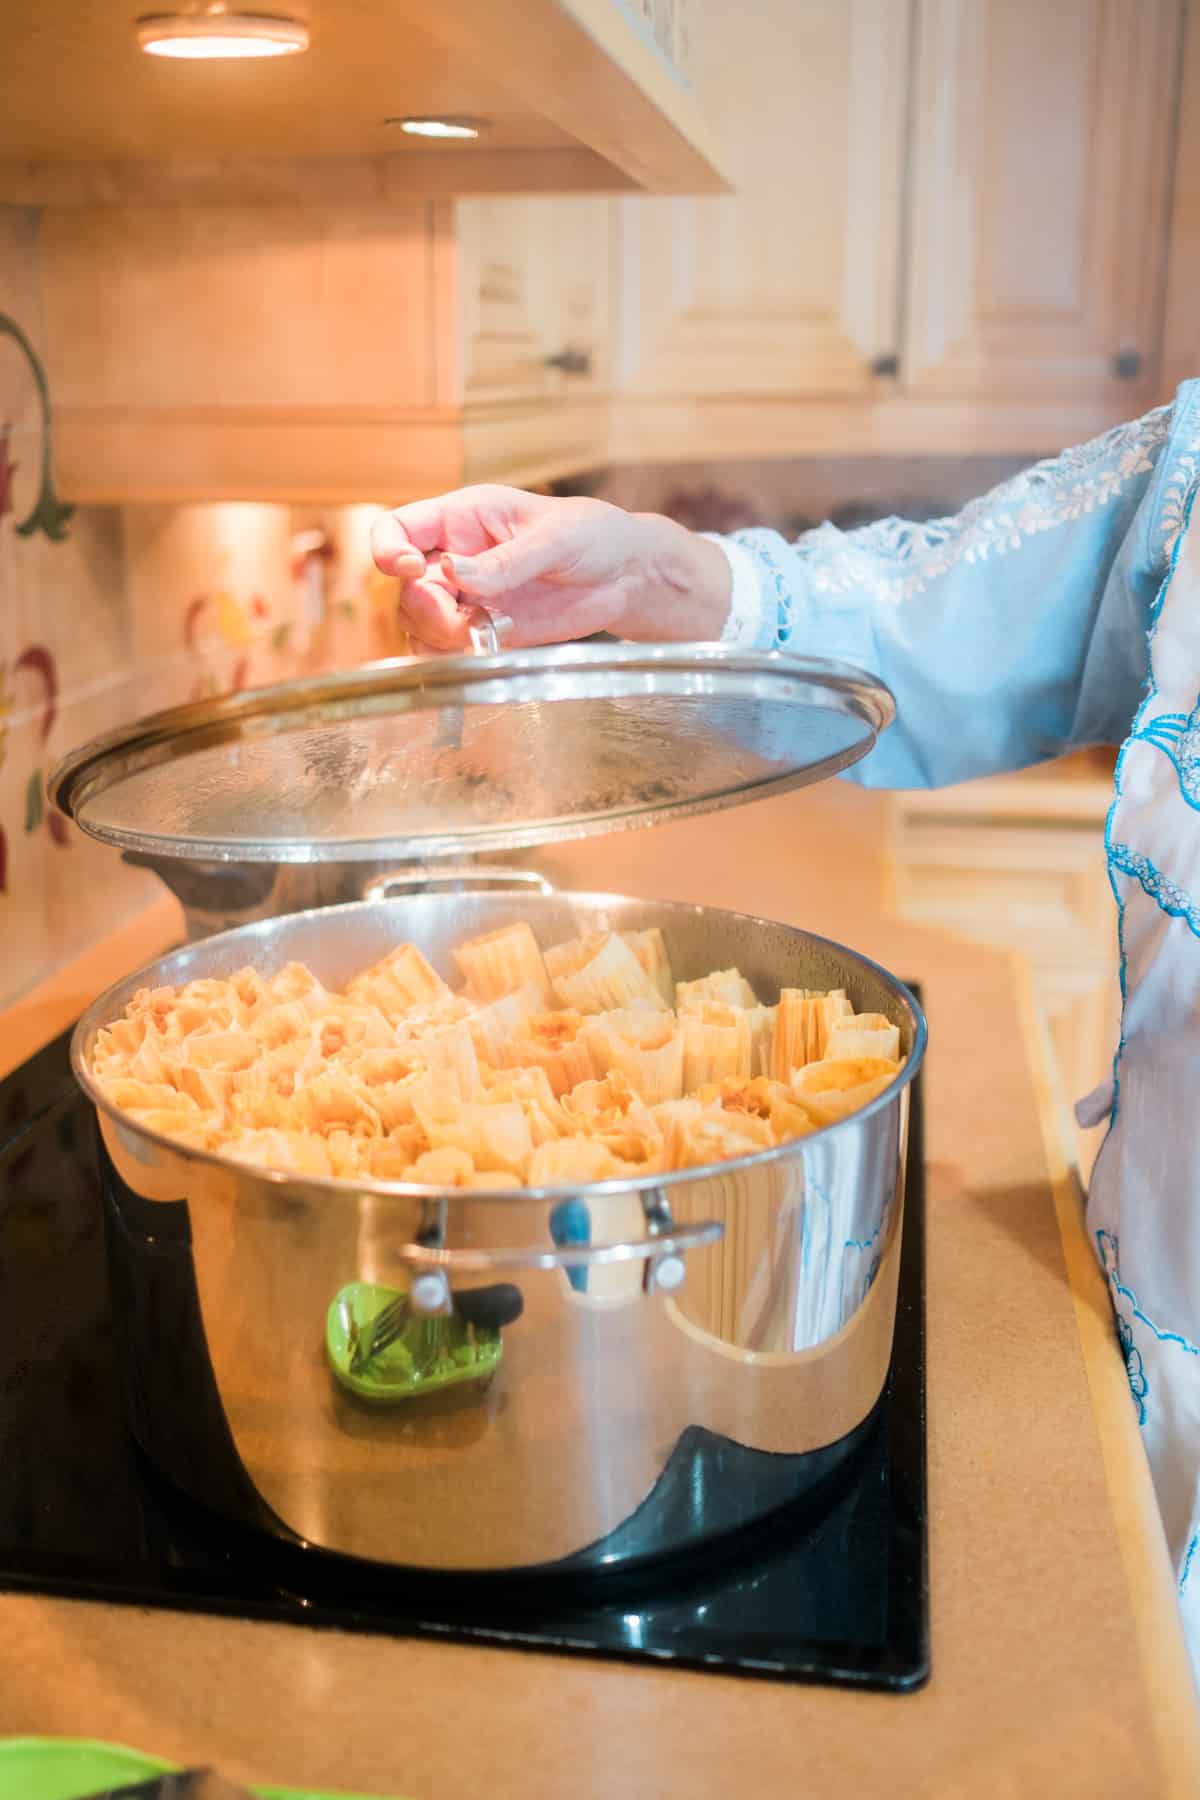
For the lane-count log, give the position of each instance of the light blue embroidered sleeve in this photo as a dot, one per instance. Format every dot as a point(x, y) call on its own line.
point(1009, 634)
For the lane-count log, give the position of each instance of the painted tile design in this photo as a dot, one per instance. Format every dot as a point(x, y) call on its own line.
point(107, 614)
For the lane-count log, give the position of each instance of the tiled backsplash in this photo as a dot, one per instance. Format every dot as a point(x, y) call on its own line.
point(131, 610)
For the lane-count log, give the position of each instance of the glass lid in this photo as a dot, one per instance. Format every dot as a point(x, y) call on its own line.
point(427, 757)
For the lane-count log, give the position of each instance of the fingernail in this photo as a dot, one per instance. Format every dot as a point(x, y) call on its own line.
point(457, 568)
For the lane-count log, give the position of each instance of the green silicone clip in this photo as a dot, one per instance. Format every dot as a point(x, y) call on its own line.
point(429, 1354)
point(71, 1768)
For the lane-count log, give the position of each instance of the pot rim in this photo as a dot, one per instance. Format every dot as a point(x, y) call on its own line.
point(98, 1016)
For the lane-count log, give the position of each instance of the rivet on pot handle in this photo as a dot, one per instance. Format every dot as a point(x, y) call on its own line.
point(425, 877)
point(664, 1272)
point(668, 1248)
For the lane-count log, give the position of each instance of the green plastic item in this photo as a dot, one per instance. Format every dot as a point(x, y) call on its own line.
point(76, 1768)
point(429, 1354)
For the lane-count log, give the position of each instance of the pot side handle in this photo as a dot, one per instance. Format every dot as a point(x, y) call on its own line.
point(662, 1253)
point(425, 878)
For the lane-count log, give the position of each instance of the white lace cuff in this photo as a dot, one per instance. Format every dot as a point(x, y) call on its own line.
point(743, 627)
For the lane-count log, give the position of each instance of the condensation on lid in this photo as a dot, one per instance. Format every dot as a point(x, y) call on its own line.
point(423, 758)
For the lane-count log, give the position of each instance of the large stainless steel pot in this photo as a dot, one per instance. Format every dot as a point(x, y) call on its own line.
point(772, 1348)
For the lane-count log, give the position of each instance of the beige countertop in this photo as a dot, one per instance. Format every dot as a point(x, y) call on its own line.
point(1058, 1662)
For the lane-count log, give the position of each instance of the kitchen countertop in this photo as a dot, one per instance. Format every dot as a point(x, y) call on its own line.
point(1058, 1660)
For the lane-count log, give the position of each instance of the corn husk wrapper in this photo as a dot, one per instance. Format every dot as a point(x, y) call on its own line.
point(132, 1095)
point(444, 1167)
point(398, 983)
point(450, 1058)
point(716, 1045)
point(724, 987)
point(573, 1160)
point(864, 1034)
point(764, 1099)
point(601, 974)
point(390, 1158)
point(439, 1015)
point(531, 1090)
point(833, 1090)
point(328, 1102)
point(221, 1049)
point(647, 1048)
point(650, 948)
point(493, 1025)
point(383, 1068)
point(295, 982)
point(715, 1136)
point(669, 1112)
point(294, 1151)
point(351, 1028)
point(198, 1130)
point(790, 1118)
point(612, 1112)
point(753, 1097)
point(500, 962)
point(762, 1034)
point(211, 1089)
point(282, 1024)
point(802, 1025)
point(552, 1041)
point(494, 1135)
point(394, 1101)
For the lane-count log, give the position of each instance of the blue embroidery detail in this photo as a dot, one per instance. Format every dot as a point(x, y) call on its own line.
point(1178, 737)
point(783, 598)
point(1109, 1247)
point(1133, 1367)
point(1166, 894)
point(1187, 1562)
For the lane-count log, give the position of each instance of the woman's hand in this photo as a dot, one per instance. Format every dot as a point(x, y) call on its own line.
point(559, 569)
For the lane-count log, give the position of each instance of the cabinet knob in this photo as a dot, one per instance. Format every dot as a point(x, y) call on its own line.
point(888, 365)
point(571, 362)
point(1127, 365)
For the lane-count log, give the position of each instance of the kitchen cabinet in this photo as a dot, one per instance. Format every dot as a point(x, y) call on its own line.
point(535, 277)
point(940, 243)
point(788, 287)
point(1040, 191)
point(949, 232)
point(574, 95)
point(325, 353)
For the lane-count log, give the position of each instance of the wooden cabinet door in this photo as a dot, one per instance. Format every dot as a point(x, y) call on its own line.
point(1040, 182)
point(789, 286)
point(534, 279)
point(507, 321)
point(581, 230)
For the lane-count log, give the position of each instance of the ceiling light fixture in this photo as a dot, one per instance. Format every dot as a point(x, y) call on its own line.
point(441, 128)
point(210, 32)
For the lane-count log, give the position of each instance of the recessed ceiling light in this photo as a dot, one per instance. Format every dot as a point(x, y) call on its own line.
point(211, 32)
point(441, 128)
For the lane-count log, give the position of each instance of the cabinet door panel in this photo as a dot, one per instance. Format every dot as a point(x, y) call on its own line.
point(508, 304)
point(789, 286)
point(311, 307)
point(534, 278)
point(1041, 172)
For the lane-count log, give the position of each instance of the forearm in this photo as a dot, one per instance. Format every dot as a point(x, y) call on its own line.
point(1008, 635)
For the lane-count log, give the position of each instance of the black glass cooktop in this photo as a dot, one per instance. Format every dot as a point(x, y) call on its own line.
point(833, 1588)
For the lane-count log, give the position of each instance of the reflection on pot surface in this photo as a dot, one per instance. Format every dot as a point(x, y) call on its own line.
point(475, 1381)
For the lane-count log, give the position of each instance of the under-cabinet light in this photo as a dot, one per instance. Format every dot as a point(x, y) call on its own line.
point(441, 128)
point(212, 33)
